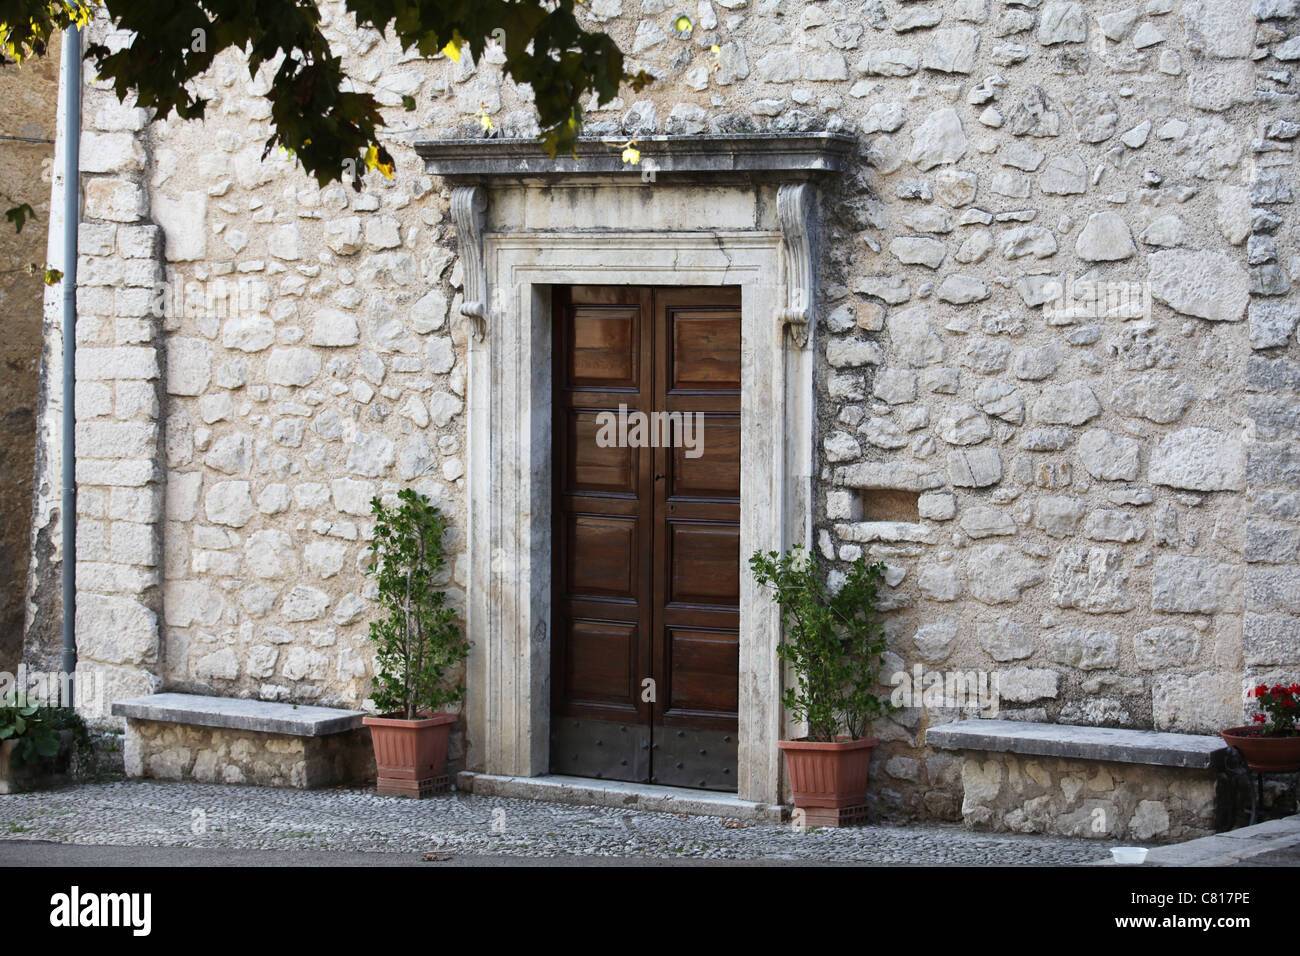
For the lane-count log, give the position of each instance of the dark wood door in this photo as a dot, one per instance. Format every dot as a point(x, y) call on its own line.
point(645, 645)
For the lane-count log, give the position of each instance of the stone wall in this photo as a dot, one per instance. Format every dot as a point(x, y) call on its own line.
point(1056, 360)
point(166, 751)
point(233, 423)
point(1092, 799)
point(123, 368)
point(26, 158)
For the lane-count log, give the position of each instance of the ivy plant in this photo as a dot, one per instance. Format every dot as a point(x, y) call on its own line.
point(419, 645)
point(832, 640)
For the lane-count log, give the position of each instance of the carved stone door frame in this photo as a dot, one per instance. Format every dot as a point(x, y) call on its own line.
point(511, 258)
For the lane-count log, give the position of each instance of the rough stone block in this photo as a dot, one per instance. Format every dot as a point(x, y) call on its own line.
point(115, 630)
point(209, 754)
point(1199, 459)
point(1271, 640)
point(117, 200)
point(110, 152)
point(116, 363)
point(1188, 585)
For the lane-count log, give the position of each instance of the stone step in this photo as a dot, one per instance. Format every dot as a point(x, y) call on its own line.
point(585, 791)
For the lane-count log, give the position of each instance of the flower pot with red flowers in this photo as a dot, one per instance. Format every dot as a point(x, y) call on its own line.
point(419, 648)
point(1270, 742)
point(832, 639)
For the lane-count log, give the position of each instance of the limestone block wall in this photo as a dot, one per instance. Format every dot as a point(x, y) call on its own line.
point(121, 374)
point(123, 369)
point(258, 358)
point(311, 367)
point(165, 751)
point(1091, 799)
point(1057, 371)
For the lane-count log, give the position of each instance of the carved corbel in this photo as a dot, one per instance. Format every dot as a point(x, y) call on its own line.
point(796, 208)
point(469, 213)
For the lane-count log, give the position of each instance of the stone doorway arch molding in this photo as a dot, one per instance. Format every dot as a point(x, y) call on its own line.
point(699, 210)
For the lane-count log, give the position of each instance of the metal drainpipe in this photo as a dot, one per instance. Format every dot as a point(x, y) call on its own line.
point(71, 219)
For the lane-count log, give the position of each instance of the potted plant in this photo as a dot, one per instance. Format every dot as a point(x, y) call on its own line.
point(833, 641)
point(419, 648)
point(1270, 741)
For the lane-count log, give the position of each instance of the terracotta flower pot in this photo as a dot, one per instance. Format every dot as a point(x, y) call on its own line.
point(1264, 753)
point(825, 774)
point(410, 755)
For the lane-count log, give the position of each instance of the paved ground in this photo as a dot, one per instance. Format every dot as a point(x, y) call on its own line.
point(1288, 857)
point(40, 853)
point(220, 824)
point(1272, 843)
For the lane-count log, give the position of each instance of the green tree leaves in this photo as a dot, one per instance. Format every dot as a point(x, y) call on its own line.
point(27, 25)
point(332, 131)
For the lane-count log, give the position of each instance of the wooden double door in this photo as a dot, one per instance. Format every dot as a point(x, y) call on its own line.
point(645, 637)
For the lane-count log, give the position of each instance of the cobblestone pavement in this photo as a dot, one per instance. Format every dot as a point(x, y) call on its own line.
point(152, 813)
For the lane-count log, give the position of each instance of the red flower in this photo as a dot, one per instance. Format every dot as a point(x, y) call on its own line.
point(1259, 718)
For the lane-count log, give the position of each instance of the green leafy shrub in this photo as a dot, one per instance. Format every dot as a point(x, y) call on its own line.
point(420, 646)
point(833, 641)
point(34, 729)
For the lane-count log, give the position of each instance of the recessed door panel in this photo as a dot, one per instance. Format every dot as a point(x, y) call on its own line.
point(598, 463)
point(693, 474)
point(606, 348)
point(604, 556)
point(601, 663)
point(701, 664)
point(705, 352)
point(702, 560)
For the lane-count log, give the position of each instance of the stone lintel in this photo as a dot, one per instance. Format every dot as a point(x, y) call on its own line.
point(1113, 744)
point(744, 156)
point(234, 713)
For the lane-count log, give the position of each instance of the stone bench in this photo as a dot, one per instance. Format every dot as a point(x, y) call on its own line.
point(236, 740)
point(1101, 782)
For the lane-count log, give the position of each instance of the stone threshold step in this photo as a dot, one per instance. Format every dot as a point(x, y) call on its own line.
point(584, 791)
